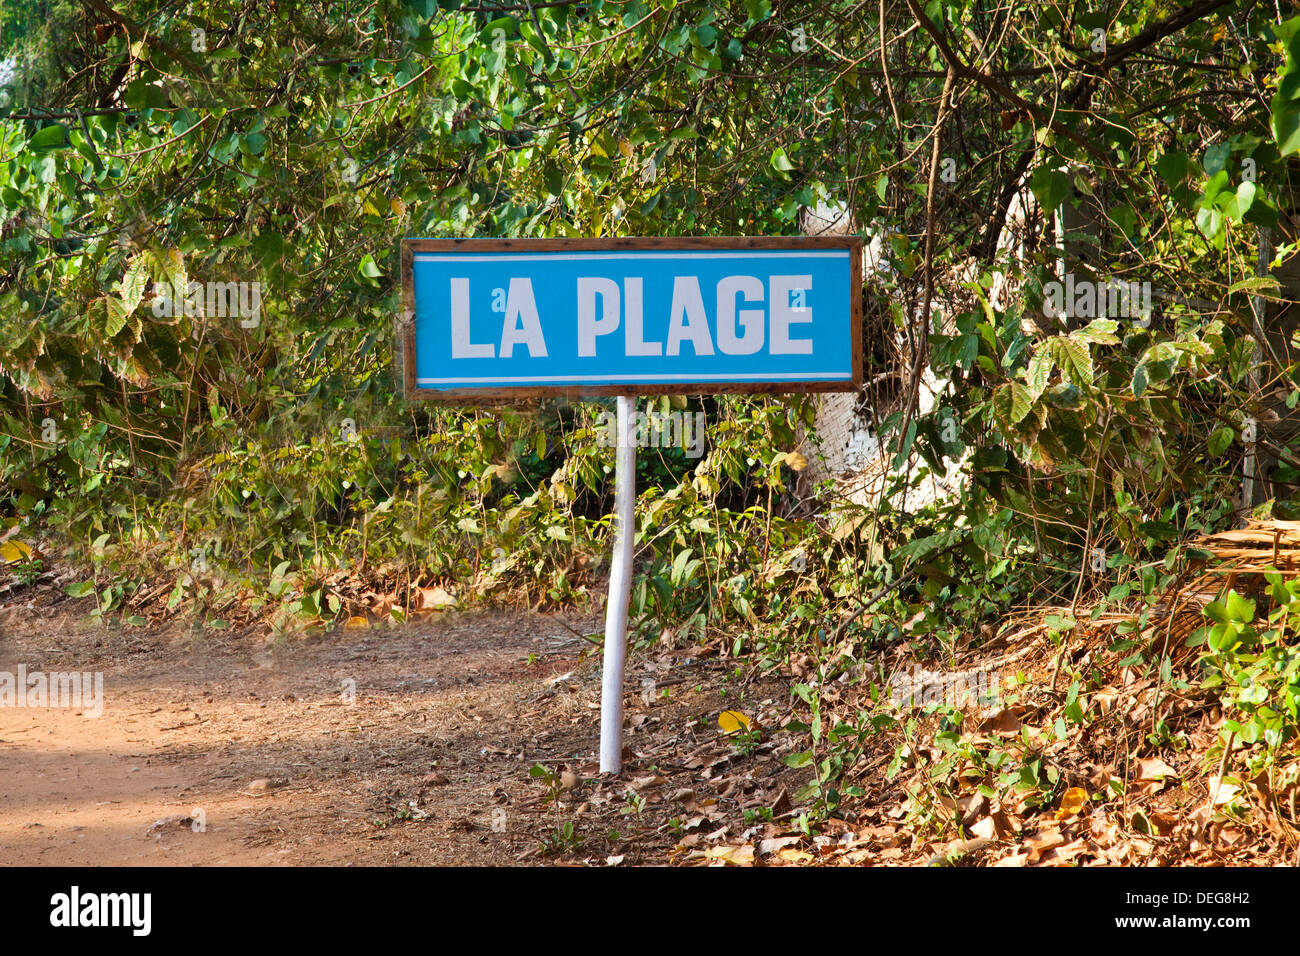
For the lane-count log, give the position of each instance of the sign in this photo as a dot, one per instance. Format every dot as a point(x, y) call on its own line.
point(491, 319)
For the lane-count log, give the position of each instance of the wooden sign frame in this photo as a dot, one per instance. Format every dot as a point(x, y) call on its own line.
point(471, 396)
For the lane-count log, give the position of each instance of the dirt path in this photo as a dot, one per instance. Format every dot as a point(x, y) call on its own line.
point(305, 752)
point(470, 738)
point(409, 745)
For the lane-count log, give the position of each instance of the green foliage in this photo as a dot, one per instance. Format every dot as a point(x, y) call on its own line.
point(293, 145)
point(1254, 670)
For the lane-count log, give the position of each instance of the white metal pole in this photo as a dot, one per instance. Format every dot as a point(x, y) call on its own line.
point(620, 589)
point(1250, 461)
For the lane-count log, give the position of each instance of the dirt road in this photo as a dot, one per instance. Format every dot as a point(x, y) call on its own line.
point(411, 745)
point(371, 747)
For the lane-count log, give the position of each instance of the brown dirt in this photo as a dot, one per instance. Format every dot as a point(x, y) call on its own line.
point(472, 736)
point(428, 765)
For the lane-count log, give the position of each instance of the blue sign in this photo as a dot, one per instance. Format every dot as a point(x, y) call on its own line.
point(495, 317)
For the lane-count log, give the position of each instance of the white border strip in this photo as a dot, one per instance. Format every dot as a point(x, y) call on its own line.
point(603, 256)
point(620, 379)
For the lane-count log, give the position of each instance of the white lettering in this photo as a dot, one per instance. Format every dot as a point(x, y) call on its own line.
point(688, 305)
point(461, 346)
point(784, 315)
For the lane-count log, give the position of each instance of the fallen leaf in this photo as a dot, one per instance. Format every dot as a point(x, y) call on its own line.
point(433, 599)
point(1163, 823)
point(742, 855)
point(1063, 855)
point(782, 802)
point(1223, 791)
point(1044, 842)
point(972, 807)
point(15, 551)
point(776, 844)
point(1072, 802)
point(1153, 768)
point(1005, 721)
point(732, 721)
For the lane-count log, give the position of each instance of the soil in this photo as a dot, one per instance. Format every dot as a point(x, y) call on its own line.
point(470, 738)
point(464, 738)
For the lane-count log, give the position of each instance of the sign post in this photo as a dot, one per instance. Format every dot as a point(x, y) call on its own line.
point(620, 590)
point(489, 320)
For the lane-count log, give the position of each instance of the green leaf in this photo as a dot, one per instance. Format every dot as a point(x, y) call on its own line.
point(799, 760)
point(1262, 284)
point(1213, 187)
point(1073, 359)
point(133, 283)
point(1172, 167)
point(1039, 371)
point(1051, 186)
point(553, 177)
point(49, 137)
point(1220, 441)
point(117, 316)
point(1063, 395)
point(1240, 203)
point(1285, 118)
point(780, 162)
point(1216, 158)
point(1100, 331)
point(1139, 381)
point(1012, 402)
point(1240, 609)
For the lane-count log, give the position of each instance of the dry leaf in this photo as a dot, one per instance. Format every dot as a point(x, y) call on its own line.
point(732, 721)
point(1044, 842)
point(433, 599)
point(1225, 792)
point(742, 855)
point(1153, 774)
point(15, 551)
point(1005, 721)
point(776, 844)
point(1072, 802)
point(1062, 855)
